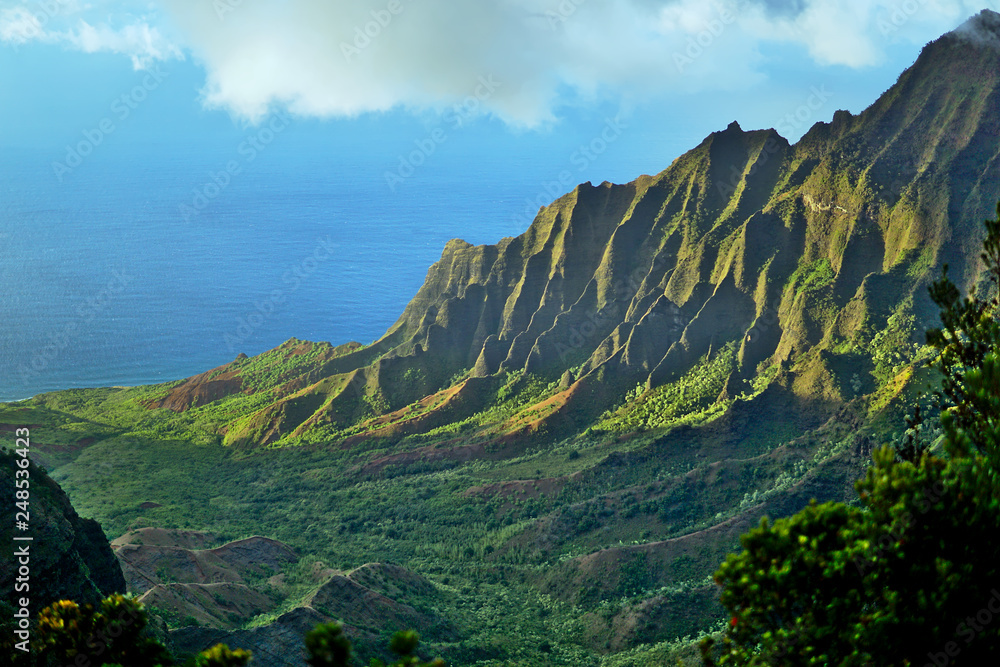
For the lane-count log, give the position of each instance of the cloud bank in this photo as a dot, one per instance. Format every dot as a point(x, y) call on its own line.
point(68, 23)
point(335, 58)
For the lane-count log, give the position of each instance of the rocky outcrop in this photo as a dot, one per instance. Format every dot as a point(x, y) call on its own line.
point(70, 558)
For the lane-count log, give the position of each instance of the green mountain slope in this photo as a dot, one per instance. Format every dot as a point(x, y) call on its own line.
point(565, 432)
point(796, 255)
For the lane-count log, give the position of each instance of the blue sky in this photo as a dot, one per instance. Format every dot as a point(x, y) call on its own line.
point(535, 80)
point(118, 119)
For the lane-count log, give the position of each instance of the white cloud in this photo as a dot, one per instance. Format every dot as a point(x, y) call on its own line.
point(314, 56)
point(329, 58)
point(856, 33)
point(18, 25)
point(62, 22)
point(140, 42)
point(337, 58)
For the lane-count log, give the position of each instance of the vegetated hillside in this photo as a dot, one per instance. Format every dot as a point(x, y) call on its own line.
point(564, 433)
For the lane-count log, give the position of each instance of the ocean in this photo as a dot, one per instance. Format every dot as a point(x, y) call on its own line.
point(145, 266)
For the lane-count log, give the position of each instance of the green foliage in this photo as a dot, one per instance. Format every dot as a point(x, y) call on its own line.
point(423, 520)
point(221, 655)
point(892, 347)
point(911, 576)
point(811, 277)
point(265, 371)
point(404, 644)
point(327, 646)
point(311, 498)
point(837, 585)
point(113, 633)
point(693, 394)
point(519, 390)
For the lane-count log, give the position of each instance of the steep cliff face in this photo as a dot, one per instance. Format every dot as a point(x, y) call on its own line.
point(70, 557)
point(795, 256)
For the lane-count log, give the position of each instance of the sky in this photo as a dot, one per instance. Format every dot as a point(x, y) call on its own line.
point(143, 136)
point(635, 81)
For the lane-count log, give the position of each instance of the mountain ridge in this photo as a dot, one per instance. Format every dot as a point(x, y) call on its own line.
point(617, 285)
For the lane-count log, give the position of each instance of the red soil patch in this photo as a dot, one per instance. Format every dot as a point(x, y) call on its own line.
point(200, 390)
point(519, 488)
point(370, 597)
point(603, 568)
point(465, 453)
point(552, 412)
point(11, 428)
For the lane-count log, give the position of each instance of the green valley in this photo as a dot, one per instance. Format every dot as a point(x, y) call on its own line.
point(544, 460)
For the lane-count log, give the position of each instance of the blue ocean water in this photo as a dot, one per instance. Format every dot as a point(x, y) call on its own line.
point(103, 282)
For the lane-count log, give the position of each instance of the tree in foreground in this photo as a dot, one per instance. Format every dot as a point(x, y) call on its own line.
point(113, 633)
point(912, 577)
